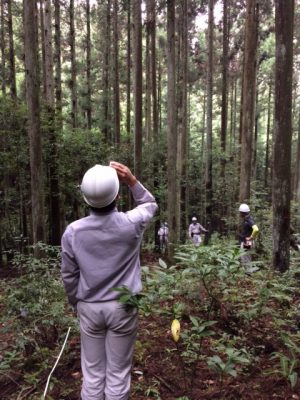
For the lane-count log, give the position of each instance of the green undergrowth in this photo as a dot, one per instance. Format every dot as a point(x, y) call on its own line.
point(228, 315)
point(228, 318)
point(34, 321)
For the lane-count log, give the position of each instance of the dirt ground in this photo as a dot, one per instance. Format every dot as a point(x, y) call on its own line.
point(159, 374)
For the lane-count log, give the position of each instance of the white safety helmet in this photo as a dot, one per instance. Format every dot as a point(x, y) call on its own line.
point(194, 219)
point(100, 186)
point(244, 208)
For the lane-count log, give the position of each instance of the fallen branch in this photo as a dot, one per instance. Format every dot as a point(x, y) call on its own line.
point(25, 392)
point(164, 382)
point(9, 377)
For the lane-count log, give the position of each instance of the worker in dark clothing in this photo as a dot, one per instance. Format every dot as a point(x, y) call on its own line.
point(249, 232)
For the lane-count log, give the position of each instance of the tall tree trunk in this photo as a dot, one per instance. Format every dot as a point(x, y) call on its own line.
point(281, 185)
point(88, 66)
point(254, 146)
point(54, 211)
point(148, 121)
point(151, 13)
point(116, 77)
point(267, 157)
point(159, 96)
point(106, 76)
point(2, 44)
point(153, 68)
point(209, 179)
point(12, 69)
point(233, 121)
point(182, 119)
point(171, 129)
point(224, 112)
point(138, 87)
point(42, 44)
point(248, 98)
point(58, 91)
point(297, 169)
point(202, 151)
point(128, 83)
point(57, 62)
point(33, 104)
point(73, 81)
point(48, 55)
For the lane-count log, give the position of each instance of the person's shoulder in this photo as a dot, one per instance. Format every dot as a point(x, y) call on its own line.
point(78, 223)
point(250, 220)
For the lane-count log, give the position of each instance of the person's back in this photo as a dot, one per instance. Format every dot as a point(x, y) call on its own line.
point(101, 252)
point(106, 247)
point(163, 233)
point(249, 232)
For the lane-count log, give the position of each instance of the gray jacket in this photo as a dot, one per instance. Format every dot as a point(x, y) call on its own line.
point(101, 251)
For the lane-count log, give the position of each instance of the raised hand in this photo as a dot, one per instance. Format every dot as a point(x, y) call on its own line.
point(124, 173)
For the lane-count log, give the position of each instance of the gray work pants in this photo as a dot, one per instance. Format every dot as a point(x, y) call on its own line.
point(246, 260)
point(108, 333)
point(196, 239)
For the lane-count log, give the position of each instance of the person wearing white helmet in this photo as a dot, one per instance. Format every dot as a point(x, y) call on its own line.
point(195, 230)
point(101, 252)
point(249, 231)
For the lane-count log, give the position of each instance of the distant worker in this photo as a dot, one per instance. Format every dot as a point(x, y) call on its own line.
point(163, 234)
point(195, 230)
point(249, 232)
point(294, 240)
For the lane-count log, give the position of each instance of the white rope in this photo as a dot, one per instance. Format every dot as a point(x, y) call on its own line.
point(57, 360)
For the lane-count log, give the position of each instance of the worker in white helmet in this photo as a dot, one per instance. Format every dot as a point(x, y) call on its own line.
point(101, 252)
point(163, 234)
point(195, 230)
point(249, 231)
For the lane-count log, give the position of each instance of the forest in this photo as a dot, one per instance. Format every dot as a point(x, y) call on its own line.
point(201, 100)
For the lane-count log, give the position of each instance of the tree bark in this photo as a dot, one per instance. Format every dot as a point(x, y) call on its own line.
point(88, 66)
point(42, 44)
point(33, 104)
point(171, 130)
point(297, 169)
point(224, 112)
point(254, 146)
point(248, 98)
point(106, 77)
point(57, 62)
point(209, 178)
point(267, 157)
point(2, 44)
point(148, 105)
point(138, 87)
point(73, 80)
point(58, 92)
point(12, 68)
point(54, 196)
point(128, 83)
point(116, 77)
point(48, 55)
point(182, 119)
point(281, 185)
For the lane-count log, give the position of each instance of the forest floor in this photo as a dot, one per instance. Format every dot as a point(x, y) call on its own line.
point(159, 371)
